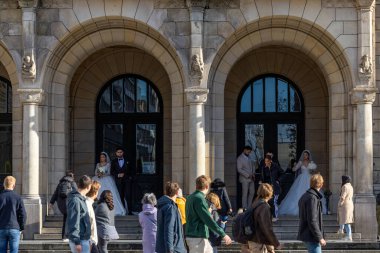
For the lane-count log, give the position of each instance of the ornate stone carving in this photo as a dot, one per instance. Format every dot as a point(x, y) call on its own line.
point(28, 3)
point(196, 68)
point(363, 95)
point(28, 67)
point(196, 95)
point(197, 3)
point(31, 96)
point(365, 67)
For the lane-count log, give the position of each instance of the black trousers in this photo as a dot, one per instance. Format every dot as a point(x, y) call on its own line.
point(64, 226)
point(120, 184)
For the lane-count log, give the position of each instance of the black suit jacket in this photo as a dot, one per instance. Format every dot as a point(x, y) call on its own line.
point(116, 169)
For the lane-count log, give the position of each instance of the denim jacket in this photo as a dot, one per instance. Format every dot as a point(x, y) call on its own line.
point(78, 219)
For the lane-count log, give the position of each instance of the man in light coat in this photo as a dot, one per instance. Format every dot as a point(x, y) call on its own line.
point(246, 177)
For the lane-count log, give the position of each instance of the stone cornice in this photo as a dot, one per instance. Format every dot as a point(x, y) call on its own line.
point(196, 95)
point(31, 96)
point(28, 3)
point(363, 95)
point(197, 3)
point(365, 4)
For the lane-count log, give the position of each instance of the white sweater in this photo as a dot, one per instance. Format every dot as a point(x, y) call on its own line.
point(94, 233)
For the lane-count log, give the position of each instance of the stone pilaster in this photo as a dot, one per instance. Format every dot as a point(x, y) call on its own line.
point(30, 99)
point(364, 200)
point(365, 10)
point(28, 68)
point(196, 66)
point(196, 97)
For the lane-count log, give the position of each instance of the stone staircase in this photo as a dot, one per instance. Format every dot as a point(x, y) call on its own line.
point(130, 238)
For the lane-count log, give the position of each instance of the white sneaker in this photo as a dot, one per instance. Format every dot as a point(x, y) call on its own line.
point(274, 219)
point(65, 240)
point(340, 232)
point(347, 238)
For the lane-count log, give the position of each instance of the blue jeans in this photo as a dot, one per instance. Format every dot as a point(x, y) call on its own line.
point(11, 236)
point(313, 247)
point(85, 246)
point(347, 229)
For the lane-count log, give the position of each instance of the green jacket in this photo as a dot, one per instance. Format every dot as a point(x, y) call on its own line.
point(198, 217)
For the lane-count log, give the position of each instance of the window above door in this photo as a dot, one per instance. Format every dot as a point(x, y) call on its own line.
point(129, 94)
point(270, 94)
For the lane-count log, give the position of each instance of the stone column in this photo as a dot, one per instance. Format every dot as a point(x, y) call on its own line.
point(30, 99)
point(196, 97)
point(364, 200)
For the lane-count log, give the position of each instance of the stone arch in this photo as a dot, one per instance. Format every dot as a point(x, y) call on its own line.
point(312, 42)
point(73, 49)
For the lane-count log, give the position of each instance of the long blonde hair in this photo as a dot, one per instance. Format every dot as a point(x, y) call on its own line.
point(214, 199)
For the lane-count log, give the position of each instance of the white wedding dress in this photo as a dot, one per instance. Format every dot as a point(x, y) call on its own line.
point(108, 183)
point(289, 205)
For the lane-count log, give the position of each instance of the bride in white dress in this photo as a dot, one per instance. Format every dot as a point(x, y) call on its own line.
point(289, 205)
point(102, 175)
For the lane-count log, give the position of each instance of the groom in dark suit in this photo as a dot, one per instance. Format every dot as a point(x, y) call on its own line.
point(119, 170)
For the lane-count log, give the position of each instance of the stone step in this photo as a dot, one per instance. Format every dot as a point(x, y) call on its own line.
point(133, 246)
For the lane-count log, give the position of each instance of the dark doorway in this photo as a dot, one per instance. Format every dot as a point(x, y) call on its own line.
point(5, 129)
point(129, 115)
point(270, 117)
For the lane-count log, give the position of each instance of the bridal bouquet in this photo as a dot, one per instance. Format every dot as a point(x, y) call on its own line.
point(101, 171)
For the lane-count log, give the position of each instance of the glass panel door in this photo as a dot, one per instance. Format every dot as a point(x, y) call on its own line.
point(6, 149)
point(286, 143)
point(146, 148)
point(254, 137)
point(112, 138)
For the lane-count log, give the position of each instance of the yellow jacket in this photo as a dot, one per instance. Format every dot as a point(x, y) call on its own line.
point(181, 203)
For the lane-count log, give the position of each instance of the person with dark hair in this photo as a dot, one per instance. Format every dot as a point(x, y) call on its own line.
point(105, 221)
point(219, 188)
point(170, 237)
point(12, 217)
point(66, 184)
point(148, 222)
point(78, 219)
point(270, 174)
point(246, 172)
point(346, 208)
point(120, 170)
point(264, 240)
point(104, 177)
point(199, 220)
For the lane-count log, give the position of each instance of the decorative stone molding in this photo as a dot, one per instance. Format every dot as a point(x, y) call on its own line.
point(363, 95)
point(365, 4)
point(28, 67)
point(365, 67)
point(196, 69)
point(338, 3)
point(28, 3)
point(196, 95)
point(31, 96)
point(175, 4)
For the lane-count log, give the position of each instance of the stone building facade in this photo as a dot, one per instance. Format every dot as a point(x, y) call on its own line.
point(183, 68)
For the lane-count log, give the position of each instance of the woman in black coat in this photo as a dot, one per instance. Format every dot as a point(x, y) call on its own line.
point(105, 221)
point(219, 188)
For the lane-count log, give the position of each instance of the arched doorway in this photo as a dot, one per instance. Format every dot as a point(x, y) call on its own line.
point(270, 117)
point(5, 128)
point(129, 115)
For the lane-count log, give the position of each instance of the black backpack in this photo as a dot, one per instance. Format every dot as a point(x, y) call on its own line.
point(64, 188)
point(243, 227)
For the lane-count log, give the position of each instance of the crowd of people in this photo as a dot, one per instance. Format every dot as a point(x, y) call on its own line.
point(174, 223)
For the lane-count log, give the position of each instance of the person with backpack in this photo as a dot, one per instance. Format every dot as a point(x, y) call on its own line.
point(219, 188)
point(264, 239)
point(65, 186)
